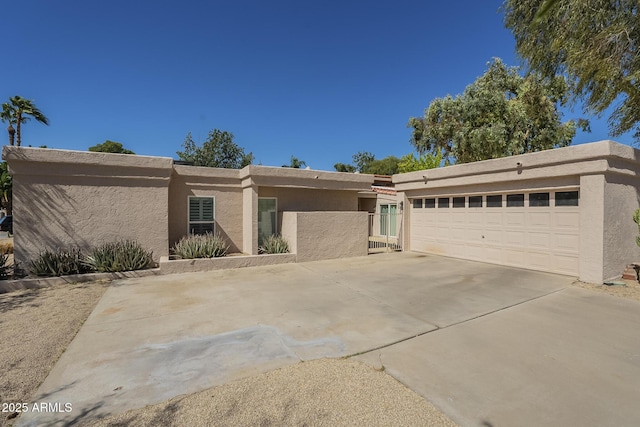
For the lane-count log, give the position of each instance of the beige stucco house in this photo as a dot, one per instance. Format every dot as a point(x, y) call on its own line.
point(566, 211)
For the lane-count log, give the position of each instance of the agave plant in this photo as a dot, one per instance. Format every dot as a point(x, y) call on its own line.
point(59, 263)
point(124, 255)
point(274, 244)
point(201, 246)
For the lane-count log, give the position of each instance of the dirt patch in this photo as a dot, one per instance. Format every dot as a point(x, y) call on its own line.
point(626, 289)
point(36, 326)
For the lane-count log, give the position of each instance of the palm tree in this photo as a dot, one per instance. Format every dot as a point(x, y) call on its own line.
point(6, 185)
point(7, 115)
point(23, 108)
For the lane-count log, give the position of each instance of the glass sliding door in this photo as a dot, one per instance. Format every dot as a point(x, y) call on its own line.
point(388, 219)
point(267, 218)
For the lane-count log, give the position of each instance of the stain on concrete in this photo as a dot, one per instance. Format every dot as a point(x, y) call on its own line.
point(152, 373)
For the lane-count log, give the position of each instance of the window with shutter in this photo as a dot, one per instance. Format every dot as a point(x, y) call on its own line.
point(201, 215)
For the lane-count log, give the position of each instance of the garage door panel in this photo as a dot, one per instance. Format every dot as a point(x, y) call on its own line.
point(458, 217)
point(567, 220)
point(540, 219)
point(493, 218)
point(493, 236)
point(565, 263)
point(539, 260)
point(514, 238)
point(566, 242)
point(514, 257)
point(515, 219)
point(540, 240)
point(475, 217)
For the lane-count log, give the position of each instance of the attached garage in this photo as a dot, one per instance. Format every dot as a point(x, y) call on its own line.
point(566, 211)
point(537, 230)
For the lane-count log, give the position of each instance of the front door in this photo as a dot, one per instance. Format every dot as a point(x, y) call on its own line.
point(267, 218)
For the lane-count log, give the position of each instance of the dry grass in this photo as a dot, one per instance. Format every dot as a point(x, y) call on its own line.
point(6, 247)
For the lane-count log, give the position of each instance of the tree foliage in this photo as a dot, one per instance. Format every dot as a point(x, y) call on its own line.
point(218, 151)
point(295, 163)
point(343, 167)
point(18, 111)
point(500, 114)
point(410, 162)
point(110, 147)
point(6, 187)
point(596, 43)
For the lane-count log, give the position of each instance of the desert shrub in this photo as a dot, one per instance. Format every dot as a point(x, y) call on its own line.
point(274, 244)
point(124, 255)
point(59, 263)
point(6, 268)
point(201, 246)
point(6, 248)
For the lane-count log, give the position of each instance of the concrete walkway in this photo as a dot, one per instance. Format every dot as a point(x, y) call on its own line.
point(486, 344)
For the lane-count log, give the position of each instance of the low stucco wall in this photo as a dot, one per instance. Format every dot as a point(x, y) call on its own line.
point(65, 198)
point(168, 266)
point(316, 236)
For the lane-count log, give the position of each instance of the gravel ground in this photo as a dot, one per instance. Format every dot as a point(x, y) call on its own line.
point(36, 326)
point(325, 392)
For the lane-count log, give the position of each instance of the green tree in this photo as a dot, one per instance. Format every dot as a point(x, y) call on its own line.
point(22, 111)
point(595, 43)
point(386, 166)
point(218, 151)
point(500, 114)
point(110, 147)
point(362, 160)
point(343, 167)
point(6, 186)
point(410, 162)
point(8, 115)
point(295, 163)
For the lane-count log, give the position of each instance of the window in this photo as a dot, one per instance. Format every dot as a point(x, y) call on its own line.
point(388, 219)
point(494, 201)
point(443, 202)
point(515, 200)
point(201, 215)
point(417, 203)
point(458, 202)
point(538, 199)
point(267, 218)
point(430, 203)
point(475, 201)
point(566, 198)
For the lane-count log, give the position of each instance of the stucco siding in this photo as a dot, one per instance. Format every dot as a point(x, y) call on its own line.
point(67, 199)
point(221, 184)
point(621, 199)
point(306, 199)
point(326, 235)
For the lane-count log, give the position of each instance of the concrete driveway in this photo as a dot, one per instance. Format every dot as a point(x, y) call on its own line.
point(488, 345)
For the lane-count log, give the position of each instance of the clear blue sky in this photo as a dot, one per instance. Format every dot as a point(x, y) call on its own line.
point(318, 80)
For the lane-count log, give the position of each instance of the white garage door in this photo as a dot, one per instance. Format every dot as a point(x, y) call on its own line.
point(537, 230)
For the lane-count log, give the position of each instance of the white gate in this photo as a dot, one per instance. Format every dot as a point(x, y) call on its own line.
point(385, 231)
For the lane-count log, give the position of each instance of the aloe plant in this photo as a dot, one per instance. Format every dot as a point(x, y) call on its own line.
point(274, 244)
point(124, 255)
point(201, 246)
point(59, 263)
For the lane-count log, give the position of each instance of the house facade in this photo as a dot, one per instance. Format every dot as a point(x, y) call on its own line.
point(566, 211)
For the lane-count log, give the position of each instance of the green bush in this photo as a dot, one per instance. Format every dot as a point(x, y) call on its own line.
point(201, 246)
point(59, 263)
point(274, 244)
point(124, 255)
